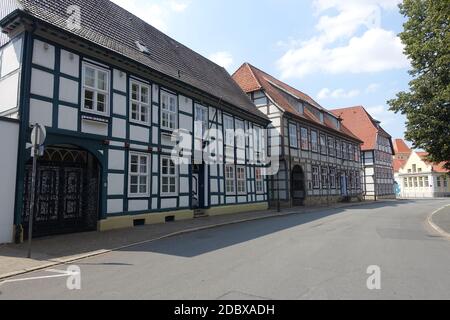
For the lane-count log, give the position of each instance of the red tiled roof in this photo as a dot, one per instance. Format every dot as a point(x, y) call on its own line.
point(401, 147)
point(398, 164)
point(361, 123)
point(252, 79)
point(437, 167)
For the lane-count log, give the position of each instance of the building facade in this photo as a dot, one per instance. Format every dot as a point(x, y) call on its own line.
point(111, 92)
point(377, 152)
point(418, 178)
point(319, 157)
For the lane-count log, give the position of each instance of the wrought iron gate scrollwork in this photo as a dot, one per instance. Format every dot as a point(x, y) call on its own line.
point(67, 198)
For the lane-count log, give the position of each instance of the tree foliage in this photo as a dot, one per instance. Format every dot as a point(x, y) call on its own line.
point(426, 37)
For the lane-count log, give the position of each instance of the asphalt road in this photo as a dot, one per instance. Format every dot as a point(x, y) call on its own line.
point(310, 256)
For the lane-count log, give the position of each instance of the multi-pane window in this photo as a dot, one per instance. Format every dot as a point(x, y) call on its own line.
point(140, 102)
point(259, 180)
point(445, 182)
point(293, 142)
point(139, 175)
point(169, 109)
point(316, 177)
point(241, 181)
point(304, 139)
point(333, 178)
point(323, 144)
point(168, 176)
point(438, 180)
point(324, 177)
point(228, 124)
point(421, 182)
point(95, 89)
point(240, 134)
point(314, 141)
point(405, 182)
point(230, 179)
point(427, 182)
point(201, 121)
point(331, 147)
point(350, 152)
point(338, 149)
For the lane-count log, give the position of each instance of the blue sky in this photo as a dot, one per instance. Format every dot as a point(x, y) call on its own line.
point(342, 53)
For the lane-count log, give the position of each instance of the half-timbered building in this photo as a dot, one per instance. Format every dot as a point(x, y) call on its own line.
point(111, 90)
point(319, 157)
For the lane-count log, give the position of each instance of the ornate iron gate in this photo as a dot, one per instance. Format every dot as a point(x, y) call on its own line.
point(67, 192)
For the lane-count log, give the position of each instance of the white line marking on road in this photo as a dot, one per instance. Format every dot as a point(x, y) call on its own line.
point(62, 273)
point(436, 227)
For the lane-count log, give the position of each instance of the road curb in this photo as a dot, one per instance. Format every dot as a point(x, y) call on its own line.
point(58, 262)
point(435, 226)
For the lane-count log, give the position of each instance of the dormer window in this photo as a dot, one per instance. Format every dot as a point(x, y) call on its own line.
point(142, 48)
point(321, 117)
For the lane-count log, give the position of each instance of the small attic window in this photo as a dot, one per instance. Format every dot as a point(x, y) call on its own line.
point(142, 48)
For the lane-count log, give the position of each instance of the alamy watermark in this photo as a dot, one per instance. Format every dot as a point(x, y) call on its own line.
point(374, 280)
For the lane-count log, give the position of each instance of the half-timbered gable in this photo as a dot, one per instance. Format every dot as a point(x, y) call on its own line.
point(377, 151)
point(319, 156)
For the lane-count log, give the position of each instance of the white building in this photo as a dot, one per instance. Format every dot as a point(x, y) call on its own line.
point(418, 178)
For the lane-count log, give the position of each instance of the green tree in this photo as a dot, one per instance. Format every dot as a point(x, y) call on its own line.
point(426, 37)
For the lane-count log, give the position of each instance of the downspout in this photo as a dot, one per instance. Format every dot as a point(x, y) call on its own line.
point(25, 85)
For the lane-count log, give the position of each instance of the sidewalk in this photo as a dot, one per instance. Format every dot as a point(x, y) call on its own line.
point(441, 220)
point(51, 251)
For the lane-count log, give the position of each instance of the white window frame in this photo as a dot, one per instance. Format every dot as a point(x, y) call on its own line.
point(315, 147)
point(229, 131)
point(168, 176)
point(259, 180)
point(204, 119)
point(95, 91)
point(139, 175)
point(332, 178)
point(324, 177)
point(293, 136)
point(241, 181)
point(316, 177)
point(229, 179)
point(304, 139)
point(140, 104)
point(240, 138)
point(323, 144)
point(167, 111)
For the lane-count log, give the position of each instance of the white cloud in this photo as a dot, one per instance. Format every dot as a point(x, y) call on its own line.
point(179, 6)
point(372, 88)
point(222, 58)
point(381, 113)
point(326, 93)
point(156, 13)
point(373, 50)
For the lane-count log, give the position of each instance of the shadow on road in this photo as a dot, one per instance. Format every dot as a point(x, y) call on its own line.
point(186, 246)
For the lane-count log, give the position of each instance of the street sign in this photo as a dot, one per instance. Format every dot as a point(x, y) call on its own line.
point(38, 135)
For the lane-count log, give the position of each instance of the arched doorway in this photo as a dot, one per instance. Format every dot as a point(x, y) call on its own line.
point(298, 186)
point(67, 192)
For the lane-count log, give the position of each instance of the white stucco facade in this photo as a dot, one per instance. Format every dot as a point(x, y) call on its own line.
point(8, 164)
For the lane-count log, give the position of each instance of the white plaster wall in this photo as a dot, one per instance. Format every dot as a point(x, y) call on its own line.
point(68, 90)
point(68, 118)
point(9, 88)
point(41, 112)
point(8, 163)
point(44, 54)
point(70, 64)
point(42, 83)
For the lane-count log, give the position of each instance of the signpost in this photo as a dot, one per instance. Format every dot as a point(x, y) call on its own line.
point(38, 135)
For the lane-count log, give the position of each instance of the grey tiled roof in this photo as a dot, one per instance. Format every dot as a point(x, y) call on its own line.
point(114, 28)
